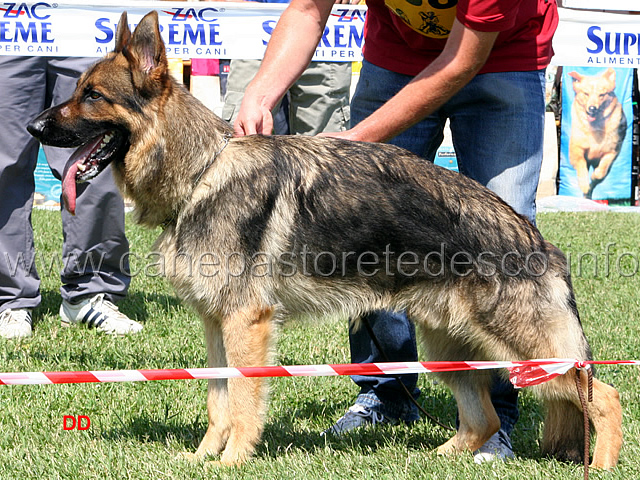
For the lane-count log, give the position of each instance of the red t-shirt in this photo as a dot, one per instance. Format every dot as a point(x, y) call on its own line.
point(404, 36)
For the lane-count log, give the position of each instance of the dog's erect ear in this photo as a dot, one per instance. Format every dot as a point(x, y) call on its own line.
point(610, 75)
point(146, 53)
point(123, 34)
point(576, 76)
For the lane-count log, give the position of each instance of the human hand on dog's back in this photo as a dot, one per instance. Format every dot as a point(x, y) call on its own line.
point(254, 117)
point(291, 48)
point(288, 54)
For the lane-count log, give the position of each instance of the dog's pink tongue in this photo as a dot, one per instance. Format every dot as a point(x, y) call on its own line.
point(71, 170)
point(69, 187)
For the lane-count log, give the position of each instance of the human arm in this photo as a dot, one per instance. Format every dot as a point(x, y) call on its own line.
point(464, 54)
point(291, 47)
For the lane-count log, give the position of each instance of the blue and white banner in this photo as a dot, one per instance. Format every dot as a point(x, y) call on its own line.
point(242, 29)
point(627, 5)
point(597, 39)
point(190, 30)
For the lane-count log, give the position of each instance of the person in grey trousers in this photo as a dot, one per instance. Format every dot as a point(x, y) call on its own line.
point(94, 250)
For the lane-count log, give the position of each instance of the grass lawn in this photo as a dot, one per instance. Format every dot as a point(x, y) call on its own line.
point(138, 429)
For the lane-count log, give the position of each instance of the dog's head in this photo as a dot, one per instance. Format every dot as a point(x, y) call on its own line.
point(594, 93)
point(107, 105)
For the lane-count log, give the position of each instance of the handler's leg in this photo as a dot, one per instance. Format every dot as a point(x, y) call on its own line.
point(23, 85)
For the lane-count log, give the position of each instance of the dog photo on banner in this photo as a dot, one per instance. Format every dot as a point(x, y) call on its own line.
point(596, 134)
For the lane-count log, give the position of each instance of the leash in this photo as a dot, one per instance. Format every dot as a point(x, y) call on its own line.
point(226, 137)
point(585, 414)
point(398, 378)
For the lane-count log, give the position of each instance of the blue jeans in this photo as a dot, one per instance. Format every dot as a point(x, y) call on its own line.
point(497, 123)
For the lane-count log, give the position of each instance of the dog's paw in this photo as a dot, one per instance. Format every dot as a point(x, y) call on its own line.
point(198, 458)
point(217, 464)
point(600, 172)
point(449, 447)
point(234, 458)
point(585, 186)
point(190, 457)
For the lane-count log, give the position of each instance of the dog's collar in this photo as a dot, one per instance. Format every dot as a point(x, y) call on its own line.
point(226, 137)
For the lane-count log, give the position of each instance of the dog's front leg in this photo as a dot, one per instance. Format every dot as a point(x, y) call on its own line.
point(217, 394)
point(579, 163)
point(604, 165)
point(247, 336)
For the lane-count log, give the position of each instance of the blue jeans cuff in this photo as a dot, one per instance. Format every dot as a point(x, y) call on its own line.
point(506, 424)
point(403, 410)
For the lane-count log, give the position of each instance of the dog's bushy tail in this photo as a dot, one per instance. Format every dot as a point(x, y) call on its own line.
point(564, 432)
point(563, 436)
point(564, 425)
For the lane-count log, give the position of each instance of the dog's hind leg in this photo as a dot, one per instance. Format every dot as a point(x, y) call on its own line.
point(563, 436)
point(563, 432)
point(604, 166)
point(606, 415)
point(477, 416)
point(478, 420)
point(247, 338)
point(562, 337)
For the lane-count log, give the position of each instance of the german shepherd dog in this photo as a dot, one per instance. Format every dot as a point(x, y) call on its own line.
point(598, 127)
point(262, 227)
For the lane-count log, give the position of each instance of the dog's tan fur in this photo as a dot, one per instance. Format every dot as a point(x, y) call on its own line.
point(598, 127)
point(250, 198)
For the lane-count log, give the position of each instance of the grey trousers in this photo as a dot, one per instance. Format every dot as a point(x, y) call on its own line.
point(318, 101)
point(94, 244)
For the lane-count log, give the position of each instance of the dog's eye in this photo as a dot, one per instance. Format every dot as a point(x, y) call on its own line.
point(93, 95)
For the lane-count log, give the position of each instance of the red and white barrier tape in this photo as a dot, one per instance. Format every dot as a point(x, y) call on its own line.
point(521, 374)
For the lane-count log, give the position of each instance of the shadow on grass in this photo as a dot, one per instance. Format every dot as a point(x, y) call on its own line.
point(279, 432)
point(87, 349)
point(147, 429)
point(284, 433)
point(134, 305)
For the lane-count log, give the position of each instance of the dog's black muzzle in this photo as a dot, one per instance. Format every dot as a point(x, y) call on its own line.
point(48, 131)
point(39, 126)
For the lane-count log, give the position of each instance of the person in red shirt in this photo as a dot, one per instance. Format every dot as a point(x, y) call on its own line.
point(477, 63)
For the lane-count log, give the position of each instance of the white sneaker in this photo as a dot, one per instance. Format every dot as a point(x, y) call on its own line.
point(98, 313)
point(357, 416)
point(15, 323)
point(498, 447)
